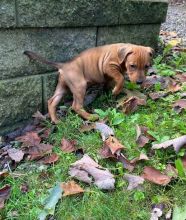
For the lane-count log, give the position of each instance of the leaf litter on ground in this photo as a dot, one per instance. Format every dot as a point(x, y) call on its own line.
point(29, 139)
point(134, 181)
point(152, 80)
point(15, 154)
point(129, 106)
point(114, 145)
point(130, 103)
point(142, 156)
point(71, 188)
point(49, 159)
point(176, 143)
point(142, 137)
point(155, 176)
point(39, 151)
point(4, 195)
point(102, 127)
point(51, 201)
point(68, 146)
point(86, 167)
point(179, 105)
point(125, 162)
point(157, 95)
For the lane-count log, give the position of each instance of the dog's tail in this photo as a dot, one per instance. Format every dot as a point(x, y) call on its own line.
point(34, 56)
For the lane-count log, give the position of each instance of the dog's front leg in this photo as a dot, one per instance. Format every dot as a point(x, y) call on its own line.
point(113, 72)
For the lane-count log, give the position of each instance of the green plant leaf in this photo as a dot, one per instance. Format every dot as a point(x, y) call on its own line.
point(101, 113)
point(139, 196)
point(117, 120)
point(51, 201)
point(180, 168)
point(179, 213)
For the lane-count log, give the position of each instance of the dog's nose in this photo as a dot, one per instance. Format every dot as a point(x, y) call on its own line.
point(139, 82)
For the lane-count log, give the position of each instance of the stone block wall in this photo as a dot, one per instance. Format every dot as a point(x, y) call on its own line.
point(59, 30)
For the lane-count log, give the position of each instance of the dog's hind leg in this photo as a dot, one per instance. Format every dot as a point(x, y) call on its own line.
point(78, 100)
point(61, 89)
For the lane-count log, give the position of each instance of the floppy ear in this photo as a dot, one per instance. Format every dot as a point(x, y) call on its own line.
point(123, 52)
point(150, 51)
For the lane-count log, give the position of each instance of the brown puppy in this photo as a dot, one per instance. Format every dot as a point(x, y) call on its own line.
point(96, 65)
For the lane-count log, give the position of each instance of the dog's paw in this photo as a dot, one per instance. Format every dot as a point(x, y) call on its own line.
point(55, 121)
point(116, 91)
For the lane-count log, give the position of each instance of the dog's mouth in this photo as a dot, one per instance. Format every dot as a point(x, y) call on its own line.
point(127, 77)
point(139, 81)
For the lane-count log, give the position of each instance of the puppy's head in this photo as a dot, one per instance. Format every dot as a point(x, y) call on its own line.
point(135, 60)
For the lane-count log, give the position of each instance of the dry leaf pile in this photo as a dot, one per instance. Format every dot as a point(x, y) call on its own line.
point(87, 170)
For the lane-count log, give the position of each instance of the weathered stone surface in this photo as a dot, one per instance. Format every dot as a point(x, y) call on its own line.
point(54, 44)
point(76, 13)
point(136, 34)
point(63, 13)
point(142, 11)
point(49, 85)
point(19, 99)
point(7, 13)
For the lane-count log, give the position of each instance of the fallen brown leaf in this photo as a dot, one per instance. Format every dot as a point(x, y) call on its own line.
point(86, 166)
point(179, 105)
point(126, 163)
point(114, 145)
point(157, 95)
point(4, 194)
point(134, 181)
point(171, 171)
point(141, 140)
point(105, 152)
point(129, 105)
point(45, 134)
point(68, 146)
point(177, 143)
point(142, 156)
point(71, 188)
point(142, 137)
point(104, 129)
point(155, 176)
point(19, 132)
point(181, 77)
point(80, 175)
point(142, 98)
point(37, 152)
point(50, 159)
point(29, 139)
point(152, 80)
point(173, 86)
point(15, 154)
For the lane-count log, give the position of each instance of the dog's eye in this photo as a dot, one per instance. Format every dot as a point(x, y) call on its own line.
point(133, 66)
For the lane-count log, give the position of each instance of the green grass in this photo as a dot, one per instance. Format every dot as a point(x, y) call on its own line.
point(163, 124)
